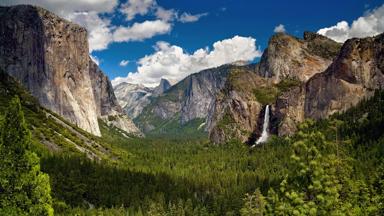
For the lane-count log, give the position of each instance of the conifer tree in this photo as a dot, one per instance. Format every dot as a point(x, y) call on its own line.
point(24, 189)
point(254, 204)
point(313, 187)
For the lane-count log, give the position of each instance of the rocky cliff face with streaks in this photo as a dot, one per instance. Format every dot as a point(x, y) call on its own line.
point(107, 106)
point(49, 56)
point(354, 75)
point(134, 97)
point(188, 101)
point(290, 57)
point(286, 64)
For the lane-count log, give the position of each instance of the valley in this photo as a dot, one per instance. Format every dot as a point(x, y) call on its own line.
point(299, 131)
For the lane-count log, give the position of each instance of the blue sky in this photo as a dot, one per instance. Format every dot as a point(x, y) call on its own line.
point(234, 17)
point(212, 21)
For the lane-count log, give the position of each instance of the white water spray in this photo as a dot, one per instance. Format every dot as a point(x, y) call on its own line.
point(264, 135)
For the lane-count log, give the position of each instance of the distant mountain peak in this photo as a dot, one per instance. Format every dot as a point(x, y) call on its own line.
point(163, 86)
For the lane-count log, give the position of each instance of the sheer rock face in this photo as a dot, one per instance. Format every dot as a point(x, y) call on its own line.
point(189, 99)
point(290, 57)
point(236, 111)
point(105, 99)
point(134, 97)
point(290, 110)
point(356, 73)
point(49, 56)
point(107, 106)
point(162, 87)
point(333, 79)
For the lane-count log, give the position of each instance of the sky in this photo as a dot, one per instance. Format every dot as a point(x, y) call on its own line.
point(142, 41)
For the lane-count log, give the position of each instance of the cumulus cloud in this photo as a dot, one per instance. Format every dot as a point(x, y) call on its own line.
point(372, 23)
point(82, 12)
point(136, 7)
point(124, 63)
point(173, 63)
point(279, 28)
point(187, 17)
point(166, 15)
point(64, 8)
point(101, 33)
point(141, 31)
point(99, 30)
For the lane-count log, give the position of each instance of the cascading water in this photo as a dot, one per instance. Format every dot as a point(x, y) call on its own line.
point(264, 135)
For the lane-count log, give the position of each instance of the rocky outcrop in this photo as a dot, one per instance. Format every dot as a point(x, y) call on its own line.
point(132, 97)
point(162, 87)
point(189, 99)
point(356, 73)
point(105, 99)
point(49, 56)
point(290, 57)
point(236, 111)
point(285, 65)
point(107, 106)
point(290, 110)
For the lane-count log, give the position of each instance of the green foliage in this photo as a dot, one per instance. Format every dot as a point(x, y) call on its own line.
point(159, 175)
point(286, 84)
point(313, 188)
point(254, 204)
point(266, 94)
point(336, 166)
point(24, 189)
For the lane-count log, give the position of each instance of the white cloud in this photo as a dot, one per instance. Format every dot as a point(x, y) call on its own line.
point(372, 23)
point(64, 8)
point(82, 12)
point(279, 28)
point(173, 63)
point(136, 7)
point(166, 15)
point(124, 63)
point(90, 14)
point(99, 30)
point(187, 17)
point(141, 31)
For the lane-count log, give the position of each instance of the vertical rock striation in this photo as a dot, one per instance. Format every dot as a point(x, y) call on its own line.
point(188, 100)
point(49, 56)
point(287, 59)
point(290, 57)
point(107, 106)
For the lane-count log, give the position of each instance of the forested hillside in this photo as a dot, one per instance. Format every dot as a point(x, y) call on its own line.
point(332, 165)
point(294, 128)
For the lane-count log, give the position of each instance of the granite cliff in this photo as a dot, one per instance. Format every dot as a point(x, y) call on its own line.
point(49, 56)
point(186, 103)
point(134, 97)
point(312, 77)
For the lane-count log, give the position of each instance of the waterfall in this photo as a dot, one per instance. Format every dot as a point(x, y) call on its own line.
point(264, 135)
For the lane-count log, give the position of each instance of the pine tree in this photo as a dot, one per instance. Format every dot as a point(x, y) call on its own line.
point(24, 189)
point(254, 204)
point(313, 187)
